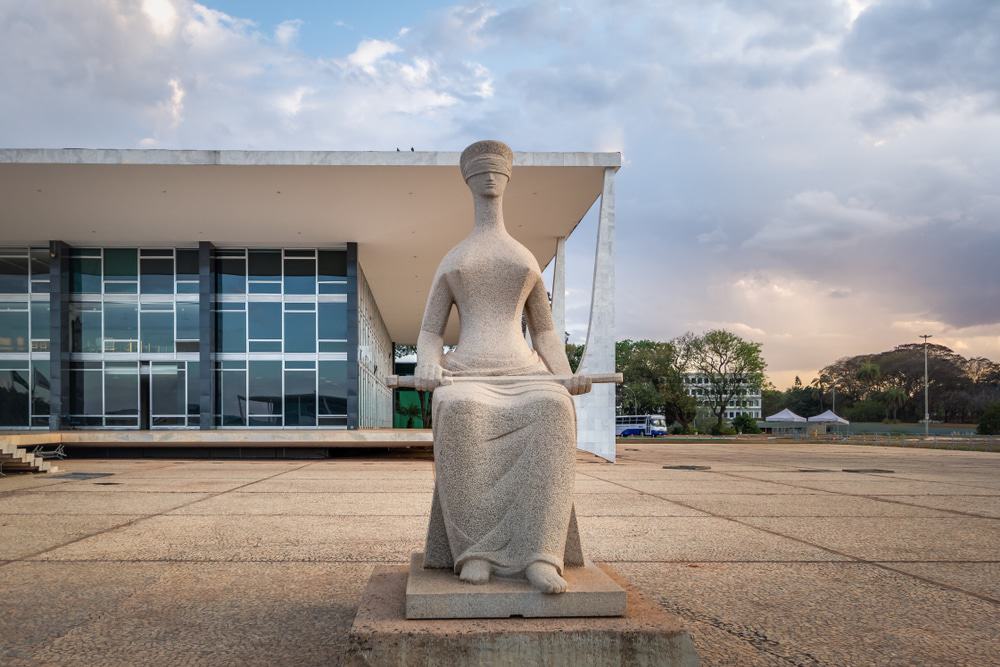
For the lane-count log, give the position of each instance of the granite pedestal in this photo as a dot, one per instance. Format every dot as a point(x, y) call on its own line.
point(438, 593)
point(382, 635)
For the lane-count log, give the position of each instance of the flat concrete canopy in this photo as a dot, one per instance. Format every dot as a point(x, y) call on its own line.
point(403, 209)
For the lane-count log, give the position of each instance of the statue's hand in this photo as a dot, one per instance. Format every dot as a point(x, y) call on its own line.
point(428, 377)
point(578, 384)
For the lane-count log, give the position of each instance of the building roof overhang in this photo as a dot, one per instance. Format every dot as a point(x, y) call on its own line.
point(404, 209)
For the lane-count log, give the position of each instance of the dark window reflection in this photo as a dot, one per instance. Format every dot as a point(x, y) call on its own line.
point(157, 331)
point(300, 276)
point(187, 264)
point(40, 391)
point(121, 326)
point(13, 275)
point(13, 328)
point(231, 276)
point(265, 388)
point(85, 394)
point(232, 331)
point(85, 327)
point(265, 265)
point(333, 320)
point(187, 320)
point(167, 388)
point(193, 388)
point(157, 276)
point(85, 275)
point(13, 396)
point(121, 388)
point(300, 398)
point(300, 332)
point(332, 264)
point(333, 387)
point(265, 320)
point(120, 264)
point(230, 401)
point(40, 320)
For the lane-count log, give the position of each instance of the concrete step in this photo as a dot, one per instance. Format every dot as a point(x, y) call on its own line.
point(15, 459)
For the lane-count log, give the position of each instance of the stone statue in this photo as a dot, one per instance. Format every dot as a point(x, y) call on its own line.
point(504, 450)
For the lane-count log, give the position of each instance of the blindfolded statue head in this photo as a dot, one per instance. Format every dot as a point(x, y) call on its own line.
point(486, 167)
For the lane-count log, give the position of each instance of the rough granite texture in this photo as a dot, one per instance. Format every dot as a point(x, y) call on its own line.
point(504, 454)
point(645, 635)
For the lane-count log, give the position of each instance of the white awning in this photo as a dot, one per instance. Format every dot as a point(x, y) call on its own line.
point(785, 415)
point(829, 417)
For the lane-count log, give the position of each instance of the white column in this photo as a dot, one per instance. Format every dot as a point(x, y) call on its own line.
point(559, 288)
point(595, 412)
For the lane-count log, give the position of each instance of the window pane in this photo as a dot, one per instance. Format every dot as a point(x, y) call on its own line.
point(265, 320)
point(193, 384)
point(232, 331)
point(300, 398)
point(300, 276)
point(167, 387)
point(187, 320)
point(333, 387)
point(13, 275)
point(332, 264)
point(121, 322)
point(86, 275)
point(14, 330)
point(121, 389)
point(265, 388)
point(40, 387)
point(333, 320)
point(187, 264)
point(157, 331)
point(85, 327)
point(157, 276)
point(13, 398)
point(86, 396)
point(40, 263)
point(300, 332)
point(120, 264)
point(231, 401)
point(231, 276)
point(265, 265)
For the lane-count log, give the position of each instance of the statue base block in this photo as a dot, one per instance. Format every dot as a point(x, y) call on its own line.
point(441, 594)
point(382, 635)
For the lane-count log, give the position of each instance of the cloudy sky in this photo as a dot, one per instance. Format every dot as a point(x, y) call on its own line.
point(822, 176)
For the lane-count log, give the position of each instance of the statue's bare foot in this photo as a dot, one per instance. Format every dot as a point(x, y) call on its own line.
point(545, 577)
point(475, 571)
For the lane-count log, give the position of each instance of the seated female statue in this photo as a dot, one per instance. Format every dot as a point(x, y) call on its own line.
point(504, 450)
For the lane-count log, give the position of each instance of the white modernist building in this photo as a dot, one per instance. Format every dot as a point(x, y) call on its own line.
point(747, 403)
point(204, 289)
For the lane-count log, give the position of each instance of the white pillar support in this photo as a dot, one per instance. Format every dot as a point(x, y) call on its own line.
point(595, 412)
point(559, 288)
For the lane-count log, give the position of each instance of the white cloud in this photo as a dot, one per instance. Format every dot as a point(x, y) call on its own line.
point(287, 32)
point(162, 16)
point(369, 52)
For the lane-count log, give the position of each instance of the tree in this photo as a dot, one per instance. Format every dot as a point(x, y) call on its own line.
point(734, 367)
point(989, 423)
point(744, 423)
point(894, 398)
point(654, 379)
point(575, 354)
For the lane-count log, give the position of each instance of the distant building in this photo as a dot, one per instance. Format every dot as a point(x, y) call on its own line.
point(747, 403)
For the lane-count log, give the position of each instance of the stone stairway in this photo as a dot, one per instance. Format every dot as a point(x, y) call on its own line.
point(15, 459)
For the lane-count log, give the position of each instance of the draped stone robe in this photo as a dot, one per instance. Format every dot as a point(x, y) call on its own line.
point(504, 454)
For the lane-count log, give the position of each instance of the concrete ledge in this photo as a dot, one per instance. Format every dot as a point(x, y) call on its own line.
point(381, 634)
point(440, 594)
point(331, 438)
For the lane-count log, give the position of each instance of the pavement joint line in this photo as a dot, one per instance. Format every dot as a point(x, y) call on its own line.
point(857, 559)
point(127, 524)
point(55, 480)
point(931, 481)
point(882, 498)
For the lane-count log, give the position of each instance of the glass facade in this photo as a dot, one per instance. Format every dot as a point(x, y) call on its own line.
point(134, 326)
point(24, 337)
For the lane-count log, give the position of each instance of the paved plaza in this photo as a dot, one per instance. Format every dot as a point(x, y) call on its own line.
point(773, 556)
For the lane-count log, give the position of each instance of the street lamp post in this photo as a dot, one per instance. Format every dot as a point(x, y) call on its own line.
point(927, 414)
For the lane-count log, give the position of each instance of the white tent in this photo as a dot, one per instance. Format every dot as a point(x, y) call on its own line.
point(828, 417)
point(785, 415)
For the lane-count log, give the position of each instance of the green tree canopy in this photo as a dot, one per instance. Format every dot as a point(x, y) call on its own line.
point(734, 367)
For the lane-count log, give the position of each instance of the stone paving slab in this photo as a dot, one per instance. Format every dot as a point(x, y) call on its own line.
point(23, 535)
point(718, 486)
point(988, 506)
point(894, 538)
point(893, 487)
point(211, 614)
point(357, 485)
point(823, 504)
point(979, 578)
point(826, 613)
point(688, 539)
point(12, 483)
point(169, 485)
point(253, 538)
point(628, 504)
point(97, 503)
point(313, 504)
